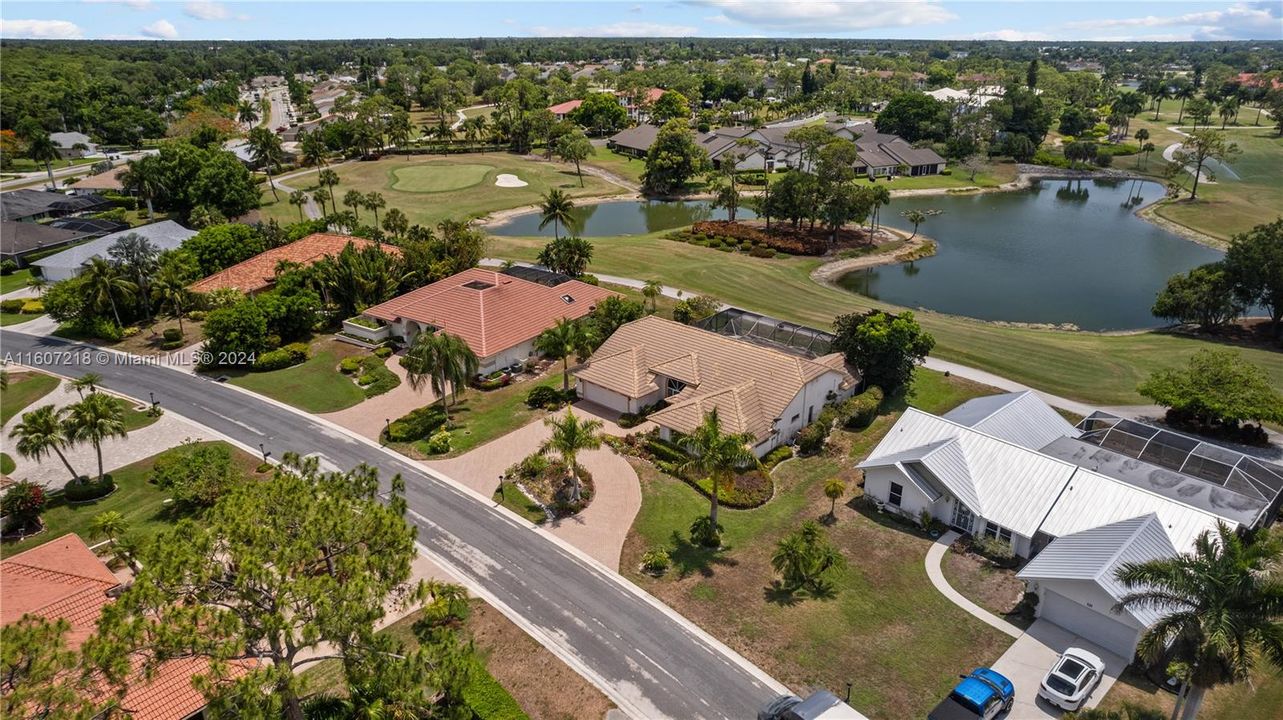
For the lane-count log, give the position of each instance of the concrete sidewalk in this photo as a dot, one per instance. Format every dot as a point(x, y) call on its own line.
point(934, 557)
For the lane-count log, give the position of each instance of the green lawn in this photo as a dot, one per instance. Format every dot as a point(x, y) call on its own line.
point(15, 280)
point(437, 202)
point(481, 416)
point(24, 165)
point(886, 620)
point(24, 389)
point(1091, 367)
point(7, 319)
point(7, 464)
point(625, 166)
point(315, 385)
point(512, 498)
point(139, 501)
point(134, 419)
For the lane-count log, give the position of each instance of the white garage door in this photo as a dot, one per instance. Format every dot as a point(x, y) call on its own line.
point(602, 396)
point(1094, 626)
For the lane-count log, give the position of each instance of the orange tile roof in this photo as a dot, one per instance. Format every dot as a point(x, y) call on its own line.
point(259, 272)
point(64, 579)
point(566, 107)
point(109, 180)
point(507, 313)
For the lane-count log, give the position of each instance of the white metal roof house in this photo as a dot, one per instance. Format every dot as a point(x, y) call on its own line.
point(1078, 500)
point(165, 235)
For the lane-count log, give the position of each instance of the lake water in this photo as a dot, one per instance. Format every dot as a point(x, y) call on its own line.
point(1061, 252)
point(622, 217)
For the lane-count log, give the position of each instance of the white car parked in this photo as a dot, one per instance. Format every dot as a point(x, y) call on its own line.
point(1072, 679)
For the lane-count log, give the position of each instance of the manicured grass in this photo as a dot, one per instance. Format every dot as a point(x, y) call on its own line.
point(461, 204)
point(24, 165)
point(1228, 207)
point(7, 319)
point(139, 501)
point(438, 177)
point(7, 464)
point(315, 385)
point(15, 280)
point(479, 417)
point(24, 389)
point(886, 629)
point(1091, 367)
point(512, 498)
point(134, 419)
point(625, 166)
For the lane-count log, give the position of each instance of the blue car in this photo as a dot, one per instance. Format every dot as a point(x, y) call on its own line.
point(982, 695)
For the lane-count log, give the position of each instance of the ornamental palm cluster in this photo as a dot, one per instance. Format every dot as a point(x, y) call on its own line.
point(443, 361)
point(47, 430)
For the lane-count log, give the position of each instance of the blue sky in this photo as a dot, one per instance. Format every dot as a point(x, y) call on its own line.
point(945, 19)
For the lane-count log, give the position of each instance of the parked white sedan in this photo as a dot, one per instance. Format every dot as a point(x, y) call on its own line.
point(1070, 681)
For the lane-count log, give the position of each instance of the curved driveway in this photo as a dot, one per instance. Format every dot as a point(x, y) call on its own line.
point(650, 661)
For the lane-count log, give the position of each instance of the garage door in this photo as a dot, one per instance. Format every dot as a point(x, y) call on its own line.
point(1096, 627)
point(602, 396)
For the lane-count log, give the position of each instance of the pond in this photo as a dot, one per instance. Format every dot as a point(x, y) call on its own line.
point(1060, 252)
point(623, 217)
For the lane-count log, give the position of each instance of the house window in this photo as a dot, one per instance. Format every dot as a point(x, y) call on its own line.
point(672, 387)
point(997, 532)
point(897, 494)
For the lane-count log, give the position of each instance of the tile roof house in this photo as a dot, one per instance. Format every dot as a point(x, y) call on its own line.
point(259, 272)
point(64, 579)
point(165, 235)
point(766, 392)
point(561, 110)
point(102, 182)
point(1077, 500)
point(499, 315)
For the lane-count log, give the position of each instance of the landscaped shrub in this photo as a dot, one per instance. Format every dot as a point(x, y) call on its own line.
point(1104, 159)
point(416, 424)
point(276, 360)
point(860, 411)
point(666, 451)
point(381, 378)
point(776, 456)
point(746, 490)
point(22, 503)
point(761, 251)
point(8, 267)
point(196, 315)
point(196, 474)
point(705, 532)
point(997, 551)
point(1050, 159)
point(365, 379)
point(172, 334)
point(171, 344)
point(100, 328)
point(488, 700)
point(299, 351)
point(439, 443)
point(349, 365)
point(544, 396)
point(12, 306)
point(383, 352)
point(32, 307)
point(86, 490)
point(656, 561)
point(811, 439)
point(781, 238)
point(130, 331)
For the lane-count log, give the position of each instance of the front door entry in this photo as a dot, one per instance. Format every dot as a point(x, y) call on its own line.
point(962, 517)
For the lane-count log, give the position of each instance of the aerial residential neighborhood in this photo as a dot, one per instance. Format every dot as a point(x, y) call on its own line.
point(770, 360)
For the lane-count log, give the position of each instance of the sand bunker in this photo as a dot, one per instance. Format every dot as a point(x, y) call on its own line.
point(509, 180)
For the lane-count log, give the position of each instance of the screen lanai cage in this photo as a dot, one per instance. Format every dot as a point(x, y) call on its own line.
point(779, 334)
point(1244, 474)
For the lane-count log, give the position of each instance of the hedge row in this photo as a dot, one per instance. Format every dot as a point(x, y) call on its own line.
point(783, 239)
point(417, 424)
point(283, 357)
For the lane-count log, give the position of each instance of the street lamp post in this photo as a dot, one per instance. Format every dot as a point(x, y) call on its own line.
point(264, 451)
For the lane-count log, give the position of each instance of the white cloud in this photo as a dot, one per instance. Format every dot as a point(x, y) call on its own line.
point(160, 30)
point(41, 29)
point(1241, 21)
point(132, 4)
point(1010, 35)
point(619, 29)
point(827, 16)
point(206, 10)
point(635, 9)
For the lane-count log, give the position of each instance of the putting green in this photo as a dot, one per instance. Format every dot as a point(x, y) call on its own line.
point(440, 177)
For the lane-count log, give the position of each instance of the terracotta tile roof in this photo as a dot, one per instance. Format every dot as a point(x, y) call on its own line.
point(566, 107)
point(259, 272)
point(491, 311)
point(64, 579)
point(109, 180)
point(749, 384)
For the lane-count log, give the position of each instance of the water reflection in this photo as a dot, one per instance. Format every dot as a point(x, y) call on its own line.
point(628, 217)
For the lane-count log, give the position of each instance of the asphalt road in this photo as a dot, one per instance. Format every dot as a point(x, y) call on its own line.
point(648, 660)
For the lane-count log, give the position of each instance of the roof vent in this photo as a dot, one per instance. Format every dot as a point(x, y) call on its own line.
point(567, 299)
point(478, 285)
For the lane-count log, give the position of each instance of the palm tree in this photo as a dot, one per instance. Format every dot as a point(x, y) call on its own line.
point(312, 148)
point(917, 217)
point(88, 381)
point(562, 340)
point(651, 291)
point(103, 285)
point(443, 360)
point(247, 113)
point(558, 209)
point(1222, 606)
point(265, 148)
point(374, 201)
point(1147, 149)
point(356, 200)
point(569, 436)
point(108, 525)
point(40, 432)
point(833, 489)
point(298, 199)
point(717, 455)
point(145, 177)
point(96, 418)
point(169, 287)
point(1142, 135)
point(321, 196)
point(41, 149)
point(329, 179)
point(1228, 109)
point(1184, 91)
